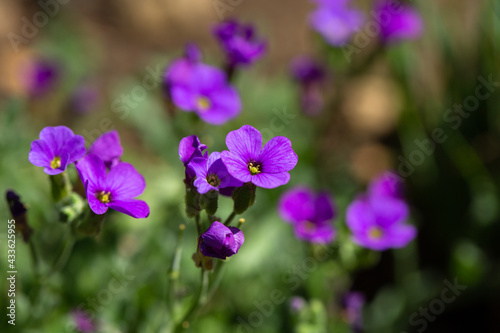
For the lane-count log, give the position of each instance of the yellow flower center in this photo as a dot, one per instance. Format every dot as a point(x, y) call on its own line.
point(203, 103)
point(375, 232)
point(254, 169)
point(103, 197)
point(55, 163)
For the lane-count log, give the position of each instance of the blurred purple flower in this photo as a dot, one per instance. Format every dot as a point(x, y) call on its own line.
point(211, 174)
point(398, 22)
point(108, 148)
point(311, 76)
point(57, 148)
point(377, 223)
point(297, 303)
point(194, 86)
point(41, 76)
point(335, 21)
point(310, 214)
point(116, 189)
point(247, 161)
point(84, 98)
point(388, 184)
point(239, 42)
point(353, 303)
point(83, 322)
point(220, 241)
point(181, 70)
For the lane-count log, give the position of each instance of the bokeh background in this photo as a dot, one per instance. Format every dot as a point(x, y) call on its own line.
point(99, 51)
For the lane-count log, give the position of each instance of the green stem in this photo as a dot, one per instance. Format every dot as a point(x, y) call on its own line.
point(174, 271)
point(198, 224)
point(63, 258)
point(199, 300)
point(230, 218)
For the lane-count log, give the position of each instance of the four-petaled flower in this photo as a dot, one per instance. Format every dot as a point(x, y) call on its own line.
point(247, 161)
point(239, 42)
point(57, 148)
point(211, 174)
point(194, 86)
point(220, 241)
point(310, 214)
point(377, 220)
point(108, 148)
point(116, 189)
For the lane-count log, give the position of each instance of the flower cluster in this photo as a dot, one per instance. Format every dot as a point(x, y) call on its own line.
point(58, 147)
point(377, 218)
point(337, 21)
point(234, 172)
point(309, 213)
point(194, 86)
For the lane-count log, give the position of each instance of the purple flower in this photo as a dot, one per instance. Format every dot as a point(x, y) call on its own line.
point(116, 189)
point(194, 86)
point(239, 43)
point(57, 148)
point(190, 147)
point(211, 174)
point(388, 184)
point(41, 76)
point(220, 241)
point(108, 148)
point(311, 76)
point(247, 161)
point(181, 70)
point(377, 223)
point(353, 305)
point(83, 322)
point(335, 21)
point(309, 213)
point(397, 21)
point(297, 303)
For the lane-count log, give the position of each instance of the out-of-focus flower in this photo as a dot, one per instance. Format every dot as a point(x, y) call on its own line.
point(377, 219)
point(310, 214)
point(397, 21)
point(84, 98)
point(311, 76)
point(211, 174)
point(239, 43)
point(18, 211)
point(108, 148)
point(336, 21)
point(181, 70)
point(388, 184)
point(83, 322)
point(40, 76)
point(247, 161)
point(57, 148)
point(353, 303)
point(220, 241)
point(194, 86)
point(297, 303)
point(116, 189)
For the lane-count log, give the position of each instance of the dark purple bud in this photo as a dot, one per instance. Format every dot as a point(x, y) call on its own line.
point(220, 241)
